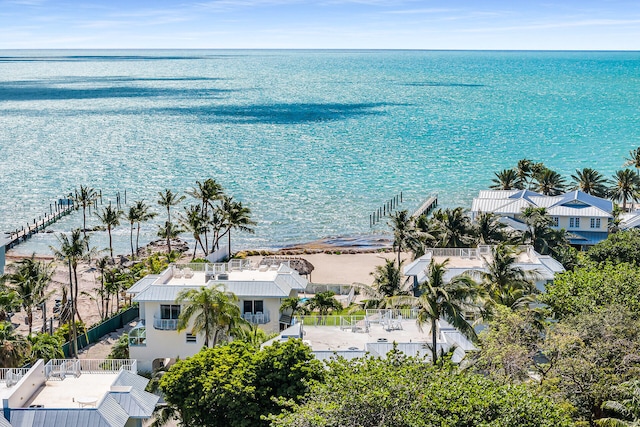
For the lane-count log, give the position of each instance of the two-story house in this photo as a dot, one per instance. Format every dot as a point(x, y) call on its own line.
point(260, 291)
point(585, 217)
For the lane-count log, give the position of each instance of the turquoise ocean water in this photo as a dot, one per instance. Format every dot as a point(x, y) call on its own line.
point(311, 141)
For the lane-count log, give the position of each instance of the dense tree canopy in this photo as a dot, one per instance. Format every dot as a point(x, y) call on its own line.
point(592, 287)
point(407, 392)
point(233, 385)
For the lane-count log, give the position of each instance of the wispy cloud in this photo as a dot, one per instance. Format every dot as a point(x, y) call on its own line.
point(553, 25)
point(420, 11)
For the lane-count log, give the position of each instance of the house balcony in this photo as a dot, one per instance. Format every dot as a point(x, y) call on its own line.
point(165, 324)
point(257, 318)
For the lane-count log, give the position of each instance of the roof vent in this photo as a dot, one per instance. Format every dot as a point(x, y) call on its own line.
point(223, 276)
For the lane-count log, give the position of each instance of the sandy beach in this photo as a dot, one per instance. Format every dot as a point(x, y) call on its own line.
point(329, 268)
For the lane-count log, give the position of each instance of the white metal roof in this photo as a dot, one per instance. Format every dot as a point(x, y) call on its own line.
point(159, 293)
point(143, 283)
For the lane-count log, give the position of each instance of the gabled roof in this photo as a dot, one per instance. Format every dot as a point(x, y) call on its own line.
point(136, 403)
point(418, 266)
point(4, 422)
point(573, 203)
point(577, 197)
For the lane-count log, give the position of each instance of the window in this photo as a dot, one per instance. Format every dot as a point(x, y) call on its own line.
point(169, 311)
point(253, 307)
point(191, 338)
point(595, 222)
point(556, 221)
point(574, 222)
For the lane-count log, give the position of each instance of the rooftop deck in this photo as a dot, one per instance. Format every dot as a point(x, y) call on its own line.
point(72, 392)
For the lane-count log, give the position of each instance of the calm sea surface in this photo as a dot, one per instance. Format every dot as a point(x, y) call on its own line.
point(311, 141)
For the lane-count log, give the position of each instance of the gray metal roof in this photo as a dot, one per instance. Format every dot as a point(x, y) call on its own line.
point(587, 237)
point(291, 280)
point(143, 283)
point(112, 412)
point(418, 266)
point(256, 288)
point(136, 403)
point(4, 422)
point(128, 378)
point(588, 199)
point(161, 293)
point(80, 417)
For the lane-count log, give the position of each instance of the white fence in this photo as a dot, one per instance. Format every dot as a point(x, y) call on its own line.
point(11, 376)
point(61, 368)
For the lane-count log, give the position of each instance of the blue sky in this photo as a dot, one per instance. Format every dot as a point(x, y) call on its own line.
point(377, 24)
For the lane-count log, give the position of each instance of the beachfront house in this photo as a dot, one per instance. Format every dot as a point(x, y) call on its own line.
point(585, 217)
point(260, 290)
point(467, 260)
point(75, 393)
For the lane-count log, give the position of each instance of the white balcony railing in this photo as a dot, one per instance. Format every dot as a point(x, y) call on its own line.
point(165, 324)
point(257, 318)
point(61, 368)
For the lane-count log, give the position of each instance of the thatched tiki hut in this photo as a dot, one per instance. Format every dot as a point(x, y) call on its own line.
point(301, 265)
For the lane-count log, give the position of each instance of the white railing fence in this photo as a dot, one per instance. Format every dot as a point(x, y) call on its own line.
point(11, 376)
point(61, 368)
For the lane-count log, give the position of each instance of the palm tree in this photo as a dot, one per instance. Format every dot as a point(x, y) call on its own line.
point(144, 215)
point(590, 181)
point(210, 310)
point(324, 302)
point(405, 234)
point(507, 179)
point(102, 264)
point(30, 281)
point(207, 191)
point(489, 230)
point(85, 198)
point(9, 302)
point(45, 346)
point(452, 228)
point(387, 279)
point(133, 217)
point(444, 300)
point(169, 199)
point(628, 408)
point(524, 171)
point(387, 282)
point(13, 347)
point(505, 282)
point(169, 231)
point(110, 217)
point(293, 305)
point(237, 217)
point(549, 183)
point(194, 221)
point(633, 159)
point(625, 187)
point(539, 232)
point(73, 249)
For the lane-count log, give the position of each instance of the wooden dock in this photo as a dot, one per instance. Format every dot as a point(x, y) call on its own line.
point(428, 205)
point(57, 210)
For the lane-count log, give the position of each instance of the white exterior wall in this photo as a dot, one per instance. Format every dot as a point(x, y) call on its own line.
point(271, 305)
point(27, 386)
point(173, 344)
point(160, 343)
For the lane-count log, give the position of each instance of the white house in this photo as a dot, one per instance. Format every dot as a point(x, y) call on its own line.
point(465, 260)
point(260, 290)
point(75, 393)
point(585, 217)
